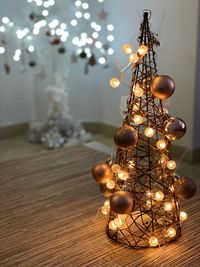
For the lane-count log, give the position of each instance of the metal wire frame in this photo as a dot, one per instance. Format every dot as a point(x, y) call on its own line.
point(149, 174)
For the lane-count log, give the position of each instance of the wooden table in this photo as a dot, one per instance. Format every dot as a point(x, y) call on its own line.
point(48, 207)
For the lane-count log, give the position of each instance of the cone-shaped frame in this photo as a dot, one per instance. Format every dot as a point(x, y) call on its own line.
point(146, 164)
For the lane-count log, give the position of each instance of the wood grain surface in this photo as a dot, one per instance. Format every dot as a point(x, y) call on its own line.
point(48, 205)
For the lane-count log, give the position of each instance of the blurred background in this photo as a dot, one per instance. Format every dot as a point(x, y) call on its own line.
point(49, 78)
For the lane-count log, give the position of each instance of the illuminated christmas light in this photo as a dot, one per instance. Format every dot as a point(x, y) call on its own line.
point(171, 165)
point(171, 232)
point(138, 119)
point(127, 48)
point(183, 216)
point(114, 82)
point(153, 241)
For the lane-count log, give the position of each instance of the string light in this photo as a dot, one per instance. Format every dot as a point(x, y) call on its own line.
point(85, 6)
point(183, 216)
point(114, 82)
point(159, 196)
point(110, 38)
point(105, 210)
point(115, 168)
point(77, 3)
point(31, 48)
point(45, 13)
point(171, 232)
point(110, 184)
point(168, 206)
point(138, 91)
point(112, 225)
point(171, 165)
point(133, 58)
point(78, 14)
point(95, 35)
point(2, 50)
point(2, 29)
point(118, 222)
point(142, 50)
point(110, 27)
point(102, 60)
point(153, 241)
point(107, 203)
point(74, 22)
point(127, 48)
point(110, 51)
point(149, 132)
point(136, 107)
point(5, 20)
point(161, 144)
point(138, 119)
point(86, 15)
point(131, 165)
point(98, 44)
point(123, 175)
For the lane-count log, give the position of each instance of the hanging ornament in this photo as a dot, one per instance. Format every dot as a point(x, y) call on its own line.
point(175, 128)
point(122, 202)
point(102, 15)
point(102, 173)
point(55, 41)
point(92, 60)
point(125, 137)
point(32, 63)
point(162, 87)
point(185, 188)
point(107, 192)
point(73, 58)
point(83, 54)
point(7, 68)
point(61, 50)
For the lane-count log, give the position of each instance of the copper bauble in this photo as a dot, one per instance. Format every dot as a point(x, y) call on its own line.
point(102, 173)
point(55, 41)
point(122, 202)
point(184, 188)
point(106, 191)
point(175, 128)
point(125, 137)
point(162, 87)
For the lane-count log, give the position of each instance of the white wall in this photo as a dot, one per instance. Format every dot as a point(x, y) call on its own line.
point(91, 99)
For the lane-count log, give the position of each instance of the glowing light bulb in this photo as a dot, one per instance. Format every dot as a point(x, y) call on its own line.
point(123, 175)
point(153, 241)
point(118, 222)
point(2, 50)
point(138, 119)
point(114, 82)
point(168, 206)
point(31, 48)
point(171, 165)
point(161, 144)
point(159, 196)
point(112, 225)
point(95, 35)
point(35, 32)
point(39, 2)
point(133, 58)
point(100, 1)
point(93, 24)
point(183, 216)
point(107, 203)
point(16, 58)
point(149, 132)
point(110, 184)
point(142, 50)
point(98, 44)
point(86, 15)
point(18, 52)
point(136, 107)
point(115, 168)
point(171, 232)
point(105, 210)
point(78, 14)
point(149, 203)
point(110, 51)
point(5, 20)
point(97, 28)
point(77, 3)
point(89, 40)
point(85, 6)
point(149, 194)
point(45, 13)
point(102, 60)
point(127, 48)
point(138, 91)
point(110, 38)
point(63, 26)
point(2, 29)
point(164, 159)
point(110, 27)
point(74, 22)
point(131, 165)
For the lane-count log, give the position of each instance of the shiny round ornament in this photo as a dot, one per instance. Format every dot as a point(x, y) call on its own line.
point(55, 41)
point(106, 191)
point(61, 50)
point(175, 128)
point(126, 137)
point(162, 87)
point(185, 188)
point(122, 202)
point(102, 173)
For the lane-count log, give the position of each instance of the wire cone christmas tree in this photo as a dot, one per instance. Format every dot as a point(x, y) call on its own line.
point(142, 184)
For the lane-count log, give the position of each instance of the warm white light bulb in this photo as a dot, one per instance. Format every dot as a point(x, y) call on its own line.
point(159, 196)
point(138, 119)
point(110, 184)
point(127, 48)
point(136, 107)
point(115, 168)
point(105, 210)
point(171, 232)
point(149, 132)
point(168, 206)
point(106, 203)
point(183, 216)
point(142, 50)
point(114, 82)
point(112, 225)
point(153, 241)
point(133, 58)
point(118, 222)
point(138, 91)
point(161, 144)
point(171, 165)
point(123, 175)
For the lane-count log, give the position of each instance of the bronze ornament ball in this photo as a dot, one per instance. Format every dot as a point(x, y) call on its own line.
point(125, 137)
point(162, 87)
point(106, 191)
point(102, 173)
point(185, 188)
point(175, 128)
point(122, 202)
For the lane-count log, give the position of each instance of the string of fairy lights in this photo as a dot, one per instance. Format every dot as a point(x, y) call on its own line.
point(79, 31)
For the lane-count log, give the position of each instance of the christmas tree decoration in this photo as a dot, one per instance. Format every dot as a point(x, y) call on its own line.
point(144, 190)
